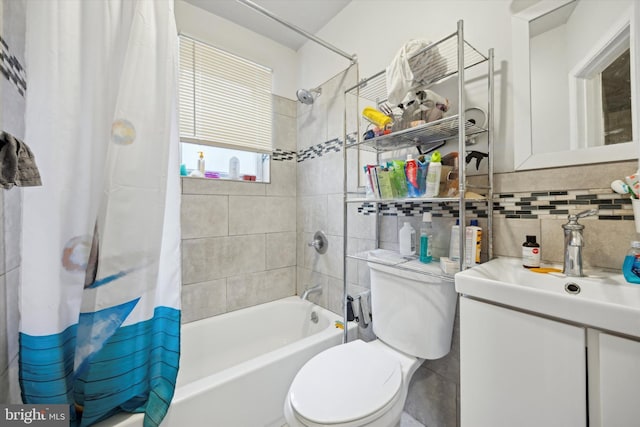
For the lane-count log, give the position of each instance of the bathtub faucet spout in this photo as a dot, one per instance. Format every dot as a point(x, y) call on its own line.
point(317, 289)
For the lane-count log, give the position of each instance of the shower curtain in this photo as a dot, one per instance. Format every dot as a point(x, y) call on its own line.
point(100, 284)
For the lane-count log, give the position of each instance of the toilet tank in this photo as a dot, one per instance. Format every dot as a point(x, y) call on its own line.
point(413, 312)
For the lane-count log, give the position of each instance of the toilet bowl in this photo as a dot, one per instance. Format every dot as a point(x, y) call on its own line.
point(354, 384)
point(366, 383)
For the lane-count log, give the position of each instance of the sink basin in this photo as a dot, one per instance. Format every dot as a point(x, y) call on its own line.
point(601, 300)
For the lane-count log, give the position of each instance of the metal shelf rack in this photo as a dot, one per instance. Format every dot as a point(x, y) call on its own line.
point(454, 55)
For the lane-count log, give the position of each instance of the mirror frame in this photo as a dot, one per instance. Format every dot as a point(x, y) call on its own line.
point(523, 156)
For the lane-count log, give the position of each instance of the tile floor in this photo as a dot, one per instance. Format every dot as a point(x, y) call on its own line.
point(408, 421)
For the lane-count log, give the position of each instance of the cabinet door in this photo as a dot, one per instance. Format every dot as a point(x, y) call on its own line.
point(619, 381)
point(519, 370)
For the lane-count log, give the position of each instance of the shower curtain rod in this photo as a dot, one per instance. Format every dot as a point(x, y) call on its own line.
point(353, 58)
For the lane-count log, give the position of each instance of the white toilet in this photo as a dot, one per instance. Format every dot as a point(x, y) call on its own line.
point(366, 384)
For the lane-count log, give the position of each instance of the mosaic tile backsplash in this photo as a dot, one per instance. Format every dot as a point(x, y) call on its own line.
point(525, 205)
point(516, 205)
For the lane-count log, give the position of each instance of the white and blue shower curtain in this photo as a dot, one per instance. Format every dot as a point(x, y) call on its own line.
point(100, 276)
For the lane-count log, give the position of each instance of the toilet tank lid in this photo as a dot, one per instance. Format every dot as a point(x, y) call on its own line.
point(345, 383)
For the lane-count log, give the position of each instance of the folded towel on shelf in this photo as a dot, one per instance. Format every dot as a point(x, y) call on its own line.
point(408, 68)
point(17, 163)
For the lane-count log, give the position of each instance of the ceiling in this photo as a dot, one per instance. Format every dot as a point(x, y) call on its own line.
point(310, 15)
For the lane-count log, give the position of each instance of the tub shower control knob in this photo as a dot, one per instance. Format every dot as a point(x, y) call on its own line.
point(319, 242)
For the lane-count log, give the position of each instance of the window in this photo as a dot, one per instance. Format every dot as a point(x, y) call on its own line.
point(616, 100)
point(600, 106)
point(251, 166)
point(225, 110)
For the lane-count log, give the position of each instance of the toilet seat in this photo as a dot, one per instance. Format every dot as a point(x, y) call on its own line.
point(346, 385)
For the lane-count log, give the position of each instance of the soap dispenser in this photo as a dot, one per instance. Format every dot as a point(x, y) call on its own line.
point(201, 162)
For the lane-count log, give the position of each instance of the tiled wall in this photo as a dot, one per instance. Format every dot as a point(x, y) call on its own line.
point(607, 236)
point(239, 238)
point(12, 105)
point(320, 188)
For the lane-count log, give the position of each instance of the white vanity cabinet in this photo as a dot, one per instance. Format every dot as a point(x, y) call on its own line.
point(520, 370)
point(614, 380)
point(548, 350)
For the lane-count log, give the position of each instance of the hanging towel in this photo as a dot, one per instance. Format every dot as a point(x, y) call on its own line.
point(17, 163)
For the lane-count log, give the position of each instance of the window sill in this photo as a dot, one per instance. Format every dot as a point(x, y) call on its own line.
point(223, 179)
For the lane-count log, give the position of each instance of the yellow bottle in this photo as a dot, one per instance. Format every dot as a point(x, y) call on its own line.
point(376, 117)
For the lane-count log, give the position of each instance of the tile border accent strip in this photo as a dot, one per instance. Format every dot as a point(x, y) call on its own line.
point(318, 150)
point(526, 205)
point(12, 69)
point(281, 155)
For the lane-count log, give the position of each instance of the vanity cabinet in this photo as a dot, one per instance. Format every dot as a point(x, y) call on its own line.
point(614, 380)
point(520, 369)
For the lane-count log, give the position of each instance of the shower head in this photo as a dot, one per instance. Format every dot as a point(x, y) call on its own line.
point(306, 96)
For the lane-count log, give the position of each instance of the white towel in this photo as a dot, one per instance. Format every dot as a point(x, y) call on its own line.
point(405, 70)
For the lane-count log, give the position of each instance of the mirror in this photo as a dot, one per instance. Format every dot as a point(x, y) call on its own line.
point(575, 93)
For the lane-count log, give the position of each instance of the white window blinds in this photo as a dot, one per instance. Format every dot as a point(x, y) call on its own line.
point(225, 101)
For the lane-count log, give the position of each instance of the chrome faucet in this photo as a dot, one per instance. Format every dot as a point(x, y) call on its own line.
point(317, 289)
point(573, 243)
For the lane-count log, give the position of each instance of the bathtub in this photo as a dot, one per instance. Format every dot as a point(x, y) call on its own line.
point(236, 368)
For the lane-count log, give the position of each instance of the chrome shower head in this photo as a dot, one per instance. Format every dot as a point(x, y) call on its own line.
point(306, 96)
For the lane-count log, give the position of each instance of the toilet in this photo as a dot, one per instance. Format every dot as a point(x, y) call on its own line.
point(366, 383)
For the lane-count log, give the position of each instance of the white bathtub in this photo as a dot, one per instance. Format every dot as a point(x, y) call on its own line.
point(236, 368)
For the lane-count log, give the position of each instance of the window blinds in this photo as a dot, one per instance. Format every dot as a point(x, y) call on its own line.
point(225, 101)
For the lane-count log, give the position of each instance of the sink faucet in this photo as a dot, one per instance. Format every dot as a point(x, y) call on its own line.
point(573, 243)
point(317, 289)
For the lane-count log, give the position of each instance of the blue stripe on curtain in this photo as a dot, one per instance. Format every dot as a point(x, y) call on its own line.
point(135, 371)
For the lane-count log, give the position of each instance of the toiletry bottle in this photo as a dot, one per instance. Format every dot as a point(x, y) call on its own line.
point(201, 162)
point(454, 243)
point(407, 240)
point(531, 253)
point(473, 240)
point(433, 175)
point(631, 264)
point(376, 117)
point(426, 238)
point(411, 172)
point(234, 168)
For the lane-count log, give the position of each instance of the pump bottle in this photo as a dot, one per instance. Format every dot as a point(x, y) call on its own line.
point(201, 162)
